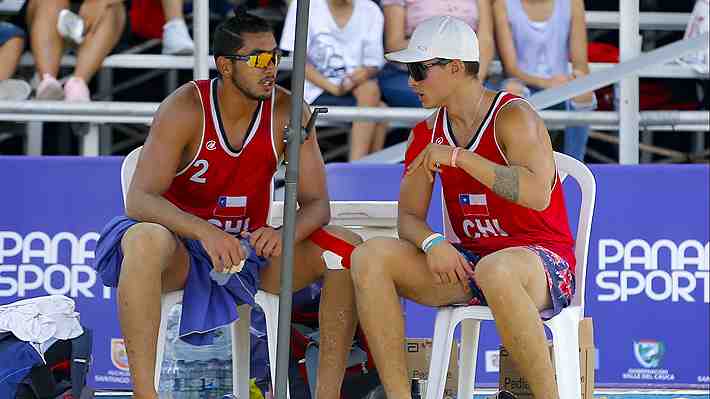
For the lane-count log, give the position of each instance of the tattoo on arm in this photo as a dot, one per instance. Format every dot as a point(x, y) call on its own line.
point(506, 183)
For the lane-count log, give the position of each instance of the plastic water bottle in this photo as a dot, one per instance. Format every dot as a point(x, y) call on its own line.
point(222, 278)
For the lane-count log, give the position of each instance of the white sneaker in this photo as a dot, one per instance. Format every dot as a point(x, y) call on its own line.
point(176, 38)
point(14, 90)
point(49, 89)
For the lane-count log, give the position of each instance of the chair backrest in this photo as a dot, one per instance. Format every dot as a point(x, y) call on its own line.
point(568, 166)
point(127, 168)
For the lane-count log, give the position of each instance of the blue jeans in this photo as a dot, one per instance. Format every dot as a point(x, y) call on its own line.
point(395, 87)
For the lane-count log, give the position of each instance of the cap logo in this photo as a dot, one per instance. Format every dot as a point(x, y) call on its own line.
point(422, 48)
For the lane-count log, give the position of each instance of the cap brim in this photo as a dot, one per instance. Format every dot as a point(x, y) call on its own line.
point(407, 56)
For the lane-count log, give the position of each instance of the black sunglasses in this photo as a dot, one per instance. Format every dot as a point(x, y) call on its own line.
point(418, 70)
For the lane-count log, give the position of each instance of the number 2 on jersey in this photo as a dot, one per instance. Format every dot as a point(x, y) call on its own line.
point(203, 165)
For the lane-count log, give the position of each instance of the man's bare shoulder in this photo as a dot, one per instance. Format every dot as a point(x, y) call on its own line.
point(517, 115)
point(179, 115)
point(431, 120)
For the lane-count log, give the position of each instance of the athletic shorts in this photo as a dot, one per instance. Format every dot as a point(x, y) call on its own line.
point(560, 279)
point(206, 305)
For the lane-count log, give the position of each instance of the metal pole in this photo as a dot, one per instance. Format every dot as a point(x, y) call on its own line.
point(630, 48)
point(200, 28)
point(293, 146)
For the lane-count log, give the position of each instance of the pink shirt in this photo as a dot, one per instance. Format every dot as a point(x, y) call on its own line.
point(419, 10)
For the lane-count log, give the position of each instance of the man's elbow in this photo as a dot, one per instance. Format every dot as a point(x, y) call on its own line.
point(541, 202)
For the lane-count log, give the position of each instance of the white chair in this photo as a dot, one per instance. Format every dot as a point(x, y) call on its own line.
point(368, 218)
point(564, 326)
point(241, 348)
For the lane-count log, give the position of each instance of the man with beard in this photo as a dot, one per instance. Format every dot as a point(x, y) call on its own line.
point(203, 183)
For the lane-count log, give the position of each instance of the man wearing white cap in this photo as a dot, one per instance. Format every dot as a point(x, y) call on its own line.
point(506, 242)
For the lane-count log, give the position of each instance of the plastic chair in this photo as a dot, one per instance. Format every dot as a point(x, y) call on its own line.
point(564, 326)
point(241, 348)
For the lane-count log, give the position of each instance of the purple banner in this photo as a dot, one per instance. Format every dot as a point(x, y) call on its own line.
point(647, 276)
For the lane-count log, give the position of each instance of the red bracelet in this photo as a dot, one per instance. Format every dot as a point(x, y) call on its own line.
point(455, 155)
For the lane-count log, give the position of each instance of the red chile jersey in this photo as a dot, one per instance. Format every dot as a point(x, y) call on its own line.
point(230, 188)
point(480, 219)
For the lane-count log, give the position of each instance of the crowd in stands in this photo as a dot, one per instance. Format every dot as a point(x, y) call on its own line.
point(536, 41)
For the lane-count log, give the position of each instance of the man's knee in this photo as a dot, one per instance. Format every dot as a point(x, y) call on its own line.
point(149, 240)
point(369, 262)
point(493, 273)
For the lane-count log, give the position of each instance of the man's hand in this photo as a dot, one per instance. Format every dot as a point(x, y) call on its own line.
point(431, 159)
point(558, 80)
point(224, 250)
point(92, 11)
point(448, 265)
point(266, 241)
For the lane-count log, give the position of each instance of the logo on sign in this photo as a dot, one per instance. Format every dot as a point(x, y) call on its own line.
point(649, 353)
point(119, 357)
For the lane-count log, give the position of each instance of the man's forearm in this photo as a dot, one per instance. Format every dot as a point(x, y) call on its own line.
point(311, 217)
point(412, 228)
point(514, 183)
point(156, 209)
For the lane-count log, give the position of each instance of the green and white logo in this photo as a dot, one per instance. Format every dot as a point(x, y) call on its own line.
point(649, 353)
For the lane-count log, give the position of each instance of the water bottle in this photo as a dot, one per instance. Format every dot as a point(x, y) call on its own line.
point(222, 278)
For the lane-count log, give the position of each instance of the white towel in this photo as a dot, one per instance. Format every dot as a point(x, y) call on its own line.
point(41, 320)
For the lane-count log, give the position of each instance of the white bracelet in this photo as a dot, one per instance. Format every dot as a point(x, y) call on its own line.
point(428, 240)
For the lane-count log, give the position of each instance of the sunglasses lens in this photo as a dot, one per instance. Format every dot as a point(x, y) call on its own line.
point(417, 71)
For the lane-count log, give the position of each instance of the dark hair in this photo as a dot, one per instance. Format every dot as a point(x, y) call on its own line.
point(227, 36)
point(471, 68)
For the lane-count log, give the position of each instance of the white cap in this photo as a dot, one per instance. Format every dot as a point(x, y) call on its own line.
point(439, 37)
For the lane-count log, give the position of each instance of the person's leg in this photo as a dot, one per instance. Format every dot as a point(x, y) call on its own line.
point(394, 84)
point(176, 37)
point(362, 135)
point(95, 47)
point(46, 44)
point(378, 141)
point(515, 286)
point(384, 269)
point(154, 262)
point(10, 53)
point(575, 142)
point(337, 315)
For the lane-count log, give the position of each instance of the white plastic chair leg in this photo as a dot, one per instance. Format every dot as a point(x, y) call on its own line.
point(565, 333)
point(440, 353)
point(470, 331)
point(241, 352)
point(167, 302)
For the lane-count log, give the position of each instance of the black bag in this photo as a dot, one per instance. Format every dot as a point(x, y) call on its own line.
point(64, 374)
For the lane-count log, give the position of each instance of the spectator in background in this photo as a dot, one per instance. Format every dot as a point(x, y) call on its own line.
point(104, 21)
point(537, 39)
point(12, 42)
point(344, 55)
point(402, 16)
point(176, 38)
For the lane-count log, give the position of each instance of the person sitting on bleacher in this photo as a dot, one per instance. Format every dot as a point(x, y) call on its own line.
point(344, 55)
point(103, 20)
point(537, 40)
point(176, 38)
point(12, 42)
point(402, 16)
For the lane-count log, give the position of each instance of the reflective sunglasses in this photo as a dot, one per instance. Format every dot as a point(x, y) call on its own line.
point(418, 70)
point(258, 60)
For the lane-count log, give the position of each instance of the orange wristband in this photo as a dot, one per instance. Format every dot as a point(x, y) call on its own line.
point(454, 155)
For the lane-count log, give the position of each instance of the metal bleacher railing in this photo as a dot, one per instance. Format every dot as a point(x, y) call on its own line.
point(629, 20)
